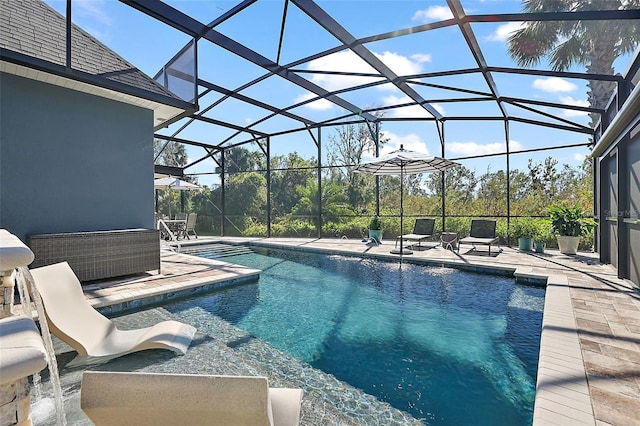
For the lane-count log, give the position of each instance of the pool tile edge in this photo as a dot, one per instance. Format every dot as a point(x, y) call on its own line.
point(561, 392)
point(123, 303)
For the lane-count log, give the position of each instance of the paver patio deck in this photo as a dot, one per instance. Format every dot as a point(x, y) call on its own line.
point(589, 371)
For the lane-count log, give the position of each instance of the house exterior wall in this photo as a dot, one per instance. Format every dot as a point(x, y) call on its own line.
point(71, 161)
point(619, 230)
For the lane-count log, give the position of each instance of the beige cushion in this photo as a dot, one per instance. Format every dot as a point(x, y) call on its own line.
point(477, 240)
point(13, 252)
point(22, 351)
point(118, 398)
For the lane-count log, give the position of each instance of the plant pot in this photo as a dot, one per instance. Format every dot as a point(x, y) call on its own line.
point(524, 243)
point(539, 246)
point(568, 245)
point(376, 234)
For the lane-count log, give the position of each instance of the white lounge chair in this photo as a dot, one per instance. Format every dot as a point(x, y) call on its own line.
point(190, 226)
point(118, 398)
point(72, 319)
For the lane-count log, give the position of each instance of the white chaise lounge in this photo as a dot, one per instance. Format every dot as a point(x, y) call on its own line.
point(141, 399)
point(72, 319)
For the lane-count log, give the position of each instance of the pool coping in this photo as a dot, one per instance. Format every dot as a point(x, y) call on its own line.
point(562, 391)
point(168, 287)
point(521, 274)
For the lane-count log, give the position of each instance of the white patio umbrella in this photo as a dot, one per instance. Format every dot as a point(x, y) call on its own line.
point(402, 162)
point(170, 182)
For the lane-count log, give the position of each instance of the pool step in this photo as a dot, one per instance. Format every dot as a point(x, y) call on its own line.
point(216, 251)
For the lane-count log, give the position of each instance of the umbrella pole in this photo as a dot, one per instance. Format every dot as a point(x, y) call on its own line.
point(402, 250)
point(401, 208)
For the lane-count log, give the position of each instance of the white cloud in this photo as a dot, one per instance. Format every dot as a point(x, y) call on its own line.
point(439, 108)
point(401, 65)
point(92, 9)
point(421, 57)
point(319, 105)
point(347, 61)
point(415, 111)
point(579, 157)
point(568, 100)
point(411, 142)
point(553, 85)
point(92, 17)
point(474, 148)
point(505, 30)
point(433, 13)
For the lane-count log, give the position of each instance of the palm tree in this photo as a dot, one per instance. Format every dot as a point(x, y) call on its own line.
point(595, 44)
point(169, 153)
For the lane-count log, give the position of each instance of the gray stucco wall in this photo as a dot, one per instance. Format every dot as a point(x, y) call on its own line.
point(71, 161)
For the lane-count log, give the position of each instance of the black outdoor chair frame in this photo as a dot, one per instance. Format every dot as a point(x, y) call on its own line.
point(422, 230)
point(483, 232)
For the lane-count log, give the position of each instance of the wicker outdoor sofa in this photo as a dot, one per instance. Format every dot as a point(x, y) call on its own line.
point(97, 255)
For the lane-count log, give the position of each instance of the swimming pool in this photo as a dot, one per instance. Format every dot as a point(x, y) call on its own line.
point(446, 346)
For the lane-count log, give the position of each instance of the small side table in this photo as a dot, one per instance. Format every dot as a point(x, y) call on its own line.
point(449, 240)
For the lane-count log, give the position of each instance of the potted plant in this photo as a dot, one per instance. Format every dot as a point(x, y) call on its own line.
point(375, 229)
point(524, 229)
point(542, 235)
point(569, 223)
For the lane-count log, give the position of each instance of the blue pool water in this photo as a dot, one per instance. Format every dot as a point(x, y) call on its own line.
point(447, 346)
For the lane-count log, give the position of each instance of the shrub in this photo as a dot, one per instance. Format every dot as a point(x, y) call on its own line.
point(570, 220)
point(543, 231)
point(524, 227)
point(375, 223)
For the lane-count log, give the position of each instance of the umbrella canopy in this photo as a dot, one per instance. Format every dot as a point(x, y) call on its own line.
point(174, 183)
point(170, 182)
point(403, 162)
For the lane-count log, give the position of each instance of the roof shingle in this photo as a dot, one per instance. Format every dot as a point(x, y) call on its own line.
point(32, 28)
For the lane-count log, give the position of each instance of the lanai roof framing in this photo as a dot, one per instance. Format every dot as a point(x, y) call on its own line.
point(383, 74)
point(185, 23)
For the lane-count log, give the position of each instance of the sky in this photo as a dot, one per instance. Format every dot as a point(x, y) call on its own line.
point(149, 44)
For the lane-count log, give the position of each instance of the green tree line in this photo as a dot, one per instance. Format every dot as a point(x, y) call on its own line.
point(347, 199)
